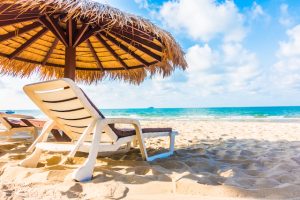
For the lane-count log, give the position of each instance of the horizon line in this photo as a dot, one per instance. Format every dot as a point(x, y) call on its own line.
point(151, 107)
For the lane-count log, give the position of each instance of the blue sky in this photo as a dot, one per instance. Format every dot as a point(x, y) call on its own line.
point(240, 53)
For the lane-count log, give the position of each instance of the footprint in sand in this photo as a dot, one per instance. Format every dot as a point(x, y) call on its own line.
point(58, 175)
point(6, 191)
point(5, 147)
point(266, 183)
point(115, 191)
point(242, 182)
point(227, 173)
point(74, 192)
point(285, 178)
point(211, 180)
point(17, 156)
point(53, 160)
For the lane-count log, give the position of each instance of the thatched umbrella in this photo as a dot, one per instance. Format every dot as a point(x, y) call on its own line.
point(82, 40)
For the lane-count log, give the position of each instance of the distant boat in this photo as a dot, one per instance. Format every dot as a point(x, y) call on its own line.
point(10, 112)
point(150, 107)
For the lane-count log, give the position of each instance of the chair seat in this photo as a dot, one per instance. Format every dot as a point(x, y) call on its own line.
point(130, 132)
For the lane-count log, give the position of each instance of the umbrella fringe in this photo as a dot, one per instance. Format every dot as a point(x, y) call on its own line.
point(22, 69)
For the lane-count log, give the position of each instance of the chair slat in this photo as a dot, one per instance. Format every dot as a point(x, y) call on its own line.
point(50, 85)
point(73, 114)
point(83, 122)
point(77, 130)
point(56, 95)
point(67, 105)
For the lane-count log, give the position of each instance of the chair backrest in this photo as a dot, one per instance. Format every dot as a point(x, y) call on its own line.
point(65, 103)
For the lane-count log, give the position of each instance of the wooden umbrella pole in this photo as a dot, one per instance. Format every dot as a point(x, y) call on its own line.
point(70, 63)
point(70, 51)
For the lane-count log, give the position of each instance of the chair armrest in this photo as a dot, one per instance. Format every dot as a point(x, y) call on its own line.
point(16, 116)
point(137, 127)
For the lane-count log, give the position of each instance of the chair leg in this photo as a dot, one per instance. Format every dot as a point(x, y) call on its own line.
point(167, 154)
point(172, 142)
point(85, 172)
point(43, 136)
point(141, 141)
point(34, 133)
point(135, 143)
point(33, 159)
point(79, 142)
point(128, 146)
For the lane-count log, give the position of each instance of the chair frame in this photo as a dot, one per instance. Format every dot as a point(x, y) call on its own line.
point(10, 130)
point(98, 127)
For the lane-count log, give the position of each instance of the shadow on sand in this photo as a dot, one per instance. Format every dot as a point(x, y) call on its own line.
point(228, 168)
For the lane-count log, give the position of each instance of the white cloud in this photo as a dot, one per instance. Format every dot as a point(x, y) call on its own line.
point(285, 19)
point(204, 19)
point(257, 10)
point(200, 58)
point(12, 95)
point(258, 13)
point(287, 69)
point(291, 48)
point(231, 69)
point(2, 85)
point(142, 3)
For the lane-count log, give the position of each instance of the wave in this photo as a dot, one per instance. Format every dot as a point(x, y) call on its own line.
point(234, 114)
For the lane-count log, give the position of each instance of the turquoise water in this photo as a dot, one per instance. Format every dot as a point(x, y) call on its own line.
point(228, 113)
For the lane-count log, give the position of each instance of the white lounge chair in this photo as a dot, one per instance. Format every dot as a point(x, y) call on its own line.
point(69, 109)
point(15, 123)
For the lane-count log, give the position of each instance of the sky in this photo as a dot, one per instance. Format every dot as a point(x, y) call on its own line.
point(240, 53)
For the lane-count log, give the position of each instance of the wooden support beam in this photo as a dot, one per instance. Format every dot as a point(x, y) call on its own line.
point(71, 31)
point(54, 27)
point(136, 38)
point(15, 21)
point(19, 31)
point(136, 29)
point(15, 8)
point(139, 47)
point(54, 44)
point(55, 24)
point(131, 32)
point(70, 51)
point(89, 33)
point(6, 6)
point(115, 55)
point(16, 15)
point(80, 34)
point(129, 28)
point(70, 62)
point(27, 43)
point(126, 49)
point(95, 54)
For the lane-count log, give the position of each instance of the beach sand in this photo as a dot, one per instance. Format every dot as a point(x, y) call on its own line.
point(213, 160)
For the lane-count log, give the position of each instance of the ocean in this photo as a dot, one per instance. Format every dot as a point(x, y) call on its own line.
point(282, 113)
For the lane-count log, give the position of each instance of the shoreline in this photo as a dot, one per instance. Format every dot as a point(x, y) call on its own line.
point(279, 120)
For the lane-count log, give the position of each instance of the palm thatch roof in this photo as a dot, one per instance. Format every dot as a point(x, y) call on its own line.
point(35, 36)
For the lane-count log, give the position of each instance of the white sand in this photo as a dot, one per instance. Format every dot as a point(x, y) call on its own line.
point(214, 160)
